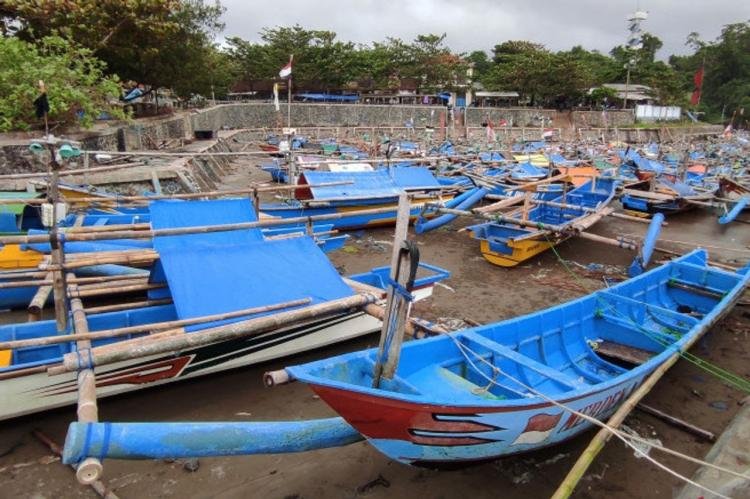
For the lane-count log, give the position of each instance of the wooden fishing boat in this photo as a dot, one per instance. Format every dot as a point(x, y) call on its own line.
point(539, 225)
point(509, 387)
point(659, 195)
point(196, 276)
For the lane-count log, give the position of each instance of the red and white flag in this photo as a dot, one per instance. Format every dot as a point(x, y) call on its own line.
point(286, 71)
point(491, 136)
point(548, 133)
point(538, 428)
point(695, 99)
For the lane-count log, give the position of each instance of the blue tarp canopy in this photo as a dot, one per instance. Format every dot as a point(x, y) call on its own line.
point(221, 272)
point(327, 97)
point(381, 183)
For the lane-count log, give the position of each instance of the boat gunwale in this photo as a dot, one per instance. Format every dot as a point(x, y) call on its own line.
point(722, 307)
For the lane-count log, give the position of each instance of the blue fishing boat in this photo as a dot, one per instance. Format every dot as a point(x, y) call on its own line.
point(365, 190)
point(198, 275)
point(526, 232)
point(510, 387)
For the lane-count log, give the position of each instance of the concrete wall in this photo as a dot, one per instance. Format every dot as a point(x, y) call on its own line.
point(617, 119)
point(527, 123)
point(264, 115)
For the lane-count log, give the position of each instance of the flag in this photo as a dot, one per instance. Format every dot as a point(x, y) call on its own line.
point(548, 133)
point(695, 99)
point(538, 428)
point(728, 130)
point(286, 71)
point(491, 136)
point(41, 105)
point(276, 96)
point(502, 122)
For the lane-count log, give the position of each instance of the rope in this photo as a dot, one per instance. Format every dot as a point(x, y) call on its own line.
point(722, 374)
point(625, 437)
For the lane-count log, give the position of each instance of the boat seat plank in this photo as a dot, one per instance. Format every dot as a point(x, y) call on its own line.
point(691, 287)
point(643, 329)
point(622, 352)
point(445, 384)
point(524, 360)
point(665, 311)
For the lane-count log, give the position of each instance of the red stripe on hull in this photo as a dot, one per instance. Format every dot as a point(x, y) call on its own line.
point(385, 418)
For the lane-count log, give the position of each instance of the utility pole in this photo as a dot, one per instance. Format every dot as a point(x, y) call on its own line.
point(635, 42)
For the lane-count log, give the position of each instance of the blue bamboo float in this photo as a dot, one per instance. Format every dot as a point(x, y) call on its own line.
point(183, 440)
point(732, 214)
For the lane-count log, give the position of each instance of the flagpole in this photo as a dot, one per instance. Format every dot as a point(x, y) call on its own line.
point(289, 103)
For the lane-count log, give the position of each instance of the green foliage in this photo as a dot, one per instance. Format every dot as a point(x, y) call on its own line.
point(322, 61)
point(482, 63)
point(75, 81)
point(540, 76)
point(157, 42)
point(602, 95)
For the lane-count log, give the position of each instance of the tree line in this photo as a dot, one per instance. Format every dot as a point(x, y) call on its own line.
point(95, 45)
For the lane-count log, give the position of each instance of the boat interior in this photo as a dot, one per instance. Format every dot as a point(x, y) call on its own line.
point(589, 195)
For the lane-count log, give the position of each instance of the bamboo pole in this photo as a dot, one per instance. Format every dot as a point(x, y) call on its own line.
point(156, 326)
point(48, 281)
point(217, 334)
point(132, 288)
point(57, 254)
point(179, 231)
point(619, 242)
point(78, 171)
point(39, 300)
point(500, 219)
point(191, 195)
point(90, 469)
point(126, 306)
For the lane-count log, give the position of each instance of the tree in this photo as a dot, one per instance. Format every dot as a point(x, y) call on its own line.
point(482, 63)
point(77, 88)
point(156, 42)
point(319, 59)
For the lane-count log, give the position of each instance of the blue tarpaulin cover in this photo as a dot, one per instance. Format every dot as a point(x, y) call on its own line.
point(381, 183)
point(226, 271)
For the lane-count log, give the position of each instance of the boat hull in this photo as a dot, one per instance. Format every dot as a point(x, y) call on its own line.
point(520, 251)
point(528, 382)
point(437, 435)
point(31, 390)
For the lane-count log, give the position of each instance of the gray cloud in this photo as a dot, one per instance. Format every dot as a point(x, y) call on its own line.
point(480, 24)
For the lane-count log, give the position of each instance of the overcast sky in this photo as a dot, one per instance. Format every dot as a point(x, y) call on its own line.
point(480, 24)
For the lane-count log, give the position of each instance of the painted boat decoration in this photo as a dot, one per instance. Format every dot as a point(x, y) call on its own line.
point(201, 275)
point(484, 392)
point(507, 244)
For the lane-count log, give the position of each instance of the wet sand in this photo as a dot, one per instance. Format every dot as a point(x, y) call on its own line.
point(479, 292)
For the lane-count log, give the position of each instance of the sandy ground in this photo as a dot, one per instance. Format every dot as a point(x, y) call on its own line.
point(477, 291)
